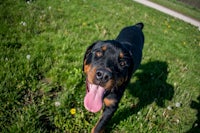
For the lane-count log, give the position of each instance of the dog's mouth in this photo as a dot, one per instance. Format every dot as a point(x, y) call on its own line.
point(93, 100)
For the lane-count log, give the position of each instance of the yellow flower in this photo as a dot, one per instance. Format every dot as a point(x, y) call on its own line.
point(84, 24)
point(73, 111)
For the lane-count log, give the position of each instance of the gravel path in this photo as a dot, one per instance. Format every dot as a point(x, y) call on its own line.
point(169, 12)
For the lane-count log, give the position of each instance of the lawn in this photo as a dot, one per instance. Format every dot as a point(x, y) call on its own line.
point(42, 86)
point(181, 7)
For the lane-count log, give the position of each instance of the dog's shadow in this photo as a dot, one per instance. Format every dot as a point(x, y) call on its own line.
point(150, 86)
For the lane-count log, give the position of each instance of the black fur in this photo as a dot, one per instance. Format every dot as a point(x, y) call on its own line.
point(117, 61)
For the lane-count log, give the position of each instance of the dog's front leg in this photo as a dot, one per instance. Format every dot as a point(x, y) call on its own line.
point(111, 106)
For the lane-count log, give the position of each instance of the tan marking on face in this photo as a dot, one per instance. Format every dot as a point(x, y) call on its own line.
point(91, 74)
point(86, 67)
point(121, 55)
point(104, 48)
point(99, 54)
point(120, 81)
point(110, 84)
point(109, 102)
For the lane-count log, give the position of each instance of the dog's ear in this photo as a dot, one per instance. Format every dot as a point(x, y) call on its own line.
point(86, 59)
point(140, 25)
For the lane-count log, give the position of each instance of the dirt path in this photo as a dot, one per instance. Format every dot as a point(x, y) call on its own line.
point(169, 12)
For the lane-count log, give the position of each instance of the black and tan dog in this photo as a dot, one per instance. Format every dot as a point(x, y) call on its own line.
point(108, 66)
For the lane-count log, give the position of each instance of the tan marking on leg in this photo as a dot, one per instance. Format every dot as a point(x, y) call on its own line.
point(93, 129)
point(109, 102)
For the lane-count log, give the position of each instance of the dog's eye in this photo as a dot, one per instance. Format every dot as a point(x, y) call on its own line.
point(123, 63)
point(98, 54)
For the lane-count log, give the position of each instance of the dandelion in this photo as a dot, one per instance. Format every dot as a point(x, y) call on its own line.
point(175, 84)
point(73, 111)
point(139, 113)
point(84, 24)
point(23, 23)
point(49, 7)
point(28, 57)
point(178, 104)
point(195, 124)
point(169, 108)
point(28, 1)
point(177, 121)
point(57, 103)
point(165, 31)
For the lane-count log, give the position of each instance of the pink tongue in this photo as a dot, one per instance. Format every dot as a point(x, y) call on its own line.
point(93, 99)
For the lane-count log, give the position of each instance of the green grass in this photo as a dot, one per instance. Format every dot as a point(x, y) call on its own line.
point(42, 47)
point(180, 7)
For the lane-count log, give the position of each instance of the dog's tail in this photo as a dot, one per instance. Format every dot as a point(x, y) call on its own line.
point(140, 25)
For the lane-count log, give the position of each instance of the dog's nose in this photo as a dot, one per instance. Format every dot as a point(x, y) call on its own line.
point(103, 75)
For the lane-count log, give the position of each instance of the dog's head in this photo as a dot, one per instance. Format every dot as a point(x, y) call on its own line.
point(108, 65)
